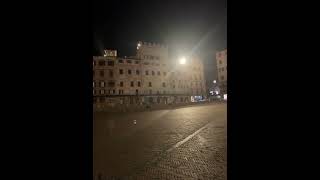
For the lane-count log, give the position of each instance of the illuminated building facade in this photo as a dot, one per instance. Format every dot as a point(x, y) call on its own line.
point(221, 58)
point(149, 78)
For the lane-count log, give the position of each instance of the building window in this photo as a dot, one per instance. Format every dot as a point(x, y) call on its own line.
point(137, 72)
point(110, 73)
point(101, 73)
point(164, 73)
point(94, 92)
point(94, 84)
point(164, 92)
point(222, 77)
point(102, 91)
point(121, 71)
point(102, 99)
point(150, 84)
point(147, 72)
point(114, 91)
point(158, 73)
point(102, 83)
point(220, 62)
point(174, 86)
point(102, 63)
point(131, 83)
point(121, 84)
point(137, 91)
point(94, 63)
point(163, 84)
point(129, 71)
point(110, 63)
point(129, 61)
point(152, 73)
point(139, 83)
point(222, 69)
point(111, 84)
point(137, 62)
point(119, 91)
point(120, 61)
point(150, 91)
point(146, 63)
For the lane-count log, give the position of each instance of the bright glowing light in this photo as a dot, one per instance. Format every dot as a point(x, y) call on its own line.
point(217, 92)
point(214, 81)
point(183, 60)
point(225, 96)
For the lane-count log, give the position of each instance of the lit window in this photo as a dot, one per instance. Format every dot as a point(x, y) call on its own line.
point(102, 91)
point(102, 84)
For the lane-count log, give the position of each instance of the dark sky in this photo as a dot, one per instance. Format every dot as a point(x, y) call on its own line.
point(186, 26)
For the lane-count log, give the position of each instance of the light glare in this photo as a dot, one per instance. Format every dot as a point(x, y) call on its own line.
point(183, 60)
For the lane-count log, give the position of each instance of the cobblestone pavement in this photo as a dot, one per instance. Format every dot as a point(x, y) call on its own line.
point(140, 151)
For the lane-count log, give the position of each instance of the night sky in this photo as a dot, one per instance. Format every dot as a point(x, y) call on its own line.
point(186, 26)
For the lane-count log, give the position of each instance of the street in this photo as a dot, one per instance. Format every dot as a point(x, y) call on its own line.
point(182, 143)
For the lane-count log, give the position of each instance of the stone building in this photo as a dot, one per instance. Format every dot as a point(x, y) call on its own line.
point(148, 79)
point(221, 58)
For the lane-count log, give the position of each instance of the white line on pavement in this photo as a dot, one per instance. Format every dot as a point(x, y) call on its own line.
point(187, 138)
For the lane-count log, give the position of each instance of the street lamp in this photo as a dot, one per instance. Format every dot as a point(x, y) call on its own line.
point(182, 60)
point(214, 81)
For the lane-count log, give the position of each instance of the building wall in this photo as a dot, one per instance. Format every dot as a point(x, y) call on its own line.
point(170, 82)
point(221, 58)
